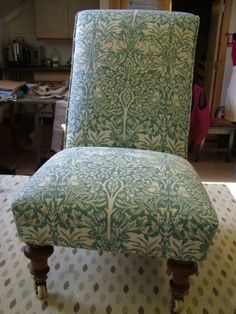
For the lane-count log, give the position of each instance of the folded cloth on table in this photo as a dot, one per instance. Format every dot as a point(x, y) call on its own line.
point(45, 91)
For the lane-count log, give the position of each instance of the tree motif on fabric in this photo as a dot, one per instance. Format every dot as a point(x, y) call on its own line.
point(130, 77)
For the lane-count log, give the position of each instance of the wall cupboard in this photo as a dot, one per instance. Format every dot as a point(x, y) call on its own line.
point(55, 18)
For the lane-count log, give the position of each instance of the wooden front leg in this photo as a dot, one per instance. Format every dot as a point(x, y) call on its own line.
point(38, 256)
point(179, 283)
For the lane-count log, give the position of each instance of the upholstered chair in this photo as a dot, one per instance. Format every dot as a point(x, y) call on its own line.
point(122, 183)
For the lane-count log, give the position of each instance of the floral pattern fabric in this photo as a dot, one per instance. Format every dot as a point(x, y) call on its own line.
point(119, 200)
point(131, 80)
point(116, 187)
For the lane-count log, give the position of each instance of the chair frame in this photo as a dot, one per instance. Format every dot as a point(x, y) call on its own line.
point(75, 158)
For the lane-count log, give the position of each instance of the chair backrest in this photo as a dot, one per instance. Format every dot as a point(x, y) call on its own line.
point(131, 79)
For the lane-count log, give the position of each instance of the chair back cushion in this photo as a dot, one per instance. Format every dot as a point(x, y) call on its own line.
point(131, 80)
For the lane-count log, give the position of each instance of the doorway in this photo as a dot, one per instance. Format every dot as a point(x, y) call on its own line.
point(211, 45)
point(203, 10)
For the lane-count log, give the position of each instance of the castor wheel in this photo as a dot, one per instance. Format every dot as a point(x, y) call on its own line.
point(41, 291)
point(179, 306)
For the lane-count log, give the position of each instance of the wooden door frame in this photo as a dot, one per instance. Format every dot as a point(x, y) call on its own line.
point(212, 48)
point(217, 90)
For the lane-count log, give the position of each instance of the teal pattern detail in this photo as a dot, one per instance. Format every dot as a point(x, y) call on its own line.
point(122, 183)
point(119, 200)
point(131, 80)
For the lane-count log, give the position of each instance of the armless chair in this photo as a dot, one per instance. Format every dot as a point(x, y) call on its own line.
point(122, 183)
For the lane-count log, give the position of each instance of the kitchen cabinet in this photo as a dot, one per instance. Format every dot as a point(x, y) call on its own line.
point(55, 18)
point(51, 19)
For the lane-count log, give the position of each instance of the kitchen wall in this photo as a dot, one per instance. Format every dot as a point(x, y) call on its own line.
point(228, 61)
point(20, 22)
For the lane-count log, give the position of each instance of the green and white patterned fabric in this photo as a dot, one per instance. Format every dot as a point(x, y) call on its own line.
point(119, 200)
point(116, 187)
point(131, 80)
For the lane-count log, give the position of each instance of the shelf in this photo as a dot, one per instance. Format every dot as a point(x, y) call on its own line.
point(38, 69)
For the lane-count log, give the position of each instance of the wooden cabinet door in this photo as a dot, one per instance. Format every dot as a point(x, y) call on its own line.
point(75, 6)
point(51, 19)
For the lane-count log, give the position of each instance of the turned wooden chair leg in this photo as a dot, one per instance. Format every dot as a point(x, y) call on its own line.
point(179, 283)
point(39, 266)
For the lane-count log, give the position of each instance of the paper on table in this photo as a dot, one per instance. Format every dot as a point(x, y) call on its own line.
point(47, 93)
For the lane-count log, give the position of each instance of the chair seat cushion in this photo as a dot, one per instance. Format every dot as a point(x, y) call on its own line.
point(119, 200)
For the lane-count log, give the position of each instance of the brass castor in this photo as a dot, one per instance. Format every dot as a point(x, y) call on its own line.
point(41, 291)
point(178, 306)
point(38, 256)
point(177, 303)
point(179, 283)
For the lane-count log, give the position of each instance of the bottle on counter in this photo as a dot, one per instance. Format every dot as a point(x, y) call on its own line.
point(48, 62)
point(55, 58)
